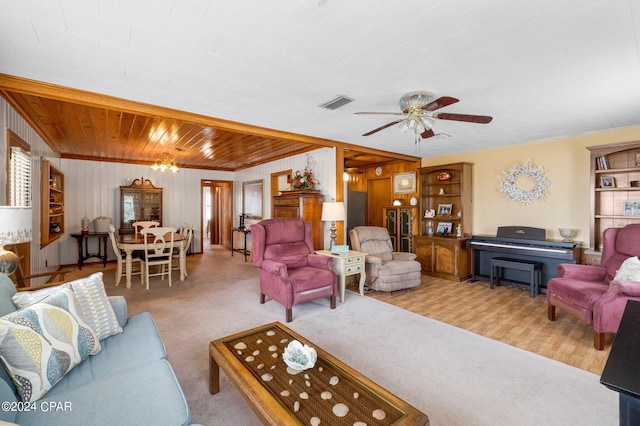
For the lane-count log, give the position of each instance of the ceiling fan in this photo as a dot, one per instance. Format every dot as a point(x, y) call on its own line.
point(418, 111)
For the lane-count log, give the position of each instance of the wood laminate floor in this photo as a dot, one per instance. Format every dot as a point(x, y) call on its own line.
point(506, 314)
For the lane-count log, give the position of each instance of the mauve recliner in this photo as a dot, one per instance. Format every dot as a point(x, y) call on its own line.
point(290, 272)
point(590, 292)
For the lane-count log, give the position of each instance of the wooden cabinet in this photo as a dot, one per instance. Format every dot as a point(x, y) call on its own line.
point(52, 210)
point(140, 201)
point(402, 224)
point(445, 204)
point(443, 257)
point(306, 205)
point(614, 201)
point(445, 191)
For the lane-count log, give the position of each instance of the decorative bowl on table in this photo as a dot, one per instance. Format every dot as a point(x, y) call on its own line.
point(298, 356)
point(568, 234)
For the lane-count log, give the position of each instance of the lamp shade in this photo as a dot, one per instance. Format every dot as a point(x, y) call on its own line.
point(15, 225)
point(332, 211)
point(15, 228)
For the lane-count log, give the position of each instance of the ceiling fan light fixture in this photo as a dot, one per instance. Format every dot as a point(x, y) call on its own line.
point(404, 127)
point(426, 121)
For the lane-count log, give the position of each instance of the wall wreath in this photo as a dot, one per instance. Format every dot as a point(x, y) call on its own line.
point(509, 185)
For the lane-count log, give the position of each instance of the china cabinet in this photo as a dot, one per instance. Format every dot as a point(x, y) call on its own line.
point(615, 191)
point(306, 205)
point(52, 210)
point(402, 224)
point(445, 221)
point(140, 201)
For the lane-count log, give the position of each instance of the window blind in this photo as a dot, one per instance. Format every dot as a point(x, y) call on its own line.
point(20, 177)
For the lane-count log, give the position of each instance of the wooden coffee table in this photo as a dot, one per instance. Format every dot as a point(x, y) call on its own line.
point(331, 391)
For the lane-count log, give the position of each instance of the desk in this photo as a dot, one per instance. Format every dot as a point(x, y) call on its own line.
point(83, 250)
point(346, 264)
point(131, 242)
point(243, 250)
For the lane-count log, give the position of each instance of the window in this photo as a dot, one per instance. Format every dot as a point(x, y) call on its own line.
point(19, 185)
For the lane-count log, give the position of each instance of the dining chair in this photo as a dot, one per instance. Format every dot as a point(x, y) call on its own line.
point(144, 224)
point(136, 261)
point(158, 251)
point(187, 230)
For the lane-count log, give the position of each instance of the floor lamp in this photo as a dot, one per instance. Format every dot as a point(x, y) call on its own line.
point(15, 228)
point(333, 211)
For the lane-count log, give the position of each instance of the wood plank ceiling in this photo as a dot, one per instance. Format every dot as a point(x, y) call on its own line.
point(87, 126)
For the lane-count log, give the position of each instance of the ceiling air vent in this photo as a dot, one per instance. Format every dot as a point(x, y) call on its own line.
point(336, 103)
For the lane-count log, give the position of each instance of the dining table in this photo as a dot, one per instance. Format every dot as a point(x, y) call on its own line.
point(131, 242)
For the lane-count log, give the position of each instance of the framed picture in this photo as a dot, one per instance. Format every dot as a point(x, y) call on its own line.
point(404, 183)
point(252, 199)
point(632, 208)
point(444, 228)
point(444, 209)
point(607, 182)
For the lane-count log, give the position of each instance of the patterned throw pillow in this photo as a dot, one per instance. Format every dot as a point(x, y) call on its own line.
point(43, 342)
point(22, 299)
point(94, 303)
point(629, 270)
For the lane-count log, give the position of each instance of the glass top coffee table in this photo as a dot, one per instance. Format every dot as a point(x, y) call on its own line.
point(330, 393)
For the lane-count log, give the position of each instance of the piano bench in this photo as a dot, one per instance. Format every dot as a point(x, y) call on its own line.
point(534, 269)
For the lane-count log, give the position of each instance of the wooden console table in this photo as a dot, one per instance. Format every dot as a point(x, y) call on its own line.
point(83, 249)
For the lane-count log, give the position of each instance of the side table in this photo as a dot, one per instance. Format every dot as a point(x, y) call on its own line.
point(243, 250)
point(346, 264)
point(83, 250)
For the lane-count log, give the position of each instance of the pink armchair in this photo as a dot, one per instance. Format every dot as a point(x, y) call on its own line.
point(590, 292)
point(290, 272)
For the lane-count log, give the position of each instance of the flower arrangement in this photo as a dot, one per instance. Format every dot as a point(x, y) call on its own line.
point(303, 179)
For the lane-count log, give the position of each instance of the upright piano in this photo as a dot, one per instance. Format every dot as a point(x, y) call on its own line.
point(520, 242)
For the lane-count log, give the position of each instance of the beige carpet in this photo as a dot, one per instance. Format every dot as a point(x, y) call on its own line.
point(454, 376)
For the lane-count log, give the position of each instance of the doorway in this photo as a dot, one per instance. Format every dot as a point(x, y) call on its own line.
point(379, 196)
point(216, 213)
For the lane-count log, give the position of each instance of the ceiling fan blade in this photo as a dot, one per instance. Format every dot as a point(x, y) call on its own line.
point(440, 103)
point(427, 134)
point(481, 119)
point(383, 113)
point(383, 127)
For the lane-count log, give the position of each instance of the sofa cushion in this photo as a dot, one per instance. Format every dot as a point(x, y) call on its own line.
point(94, 304)
point(43, 342)
point(148, 394)
point(138, 344)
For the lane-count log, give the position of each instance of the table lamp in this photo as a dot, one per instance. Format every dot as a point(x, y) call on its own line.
point(333, 211)
point(15, 228)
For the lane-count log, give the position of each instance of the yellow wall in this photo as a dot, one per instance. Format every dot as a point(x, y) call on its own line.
point(566, 161)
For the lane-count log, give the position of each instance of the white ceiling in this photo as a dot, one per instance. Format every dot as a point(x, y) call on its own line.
point(541, 68)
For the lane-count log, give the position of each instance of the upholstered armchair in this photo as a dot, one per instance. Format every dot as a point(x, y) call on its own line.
point(592, 293)
point(386, 270)
point(290, 271)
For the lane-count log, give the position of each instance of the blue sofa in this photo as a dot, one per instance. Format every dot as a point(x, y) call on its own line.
point(129, 382)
